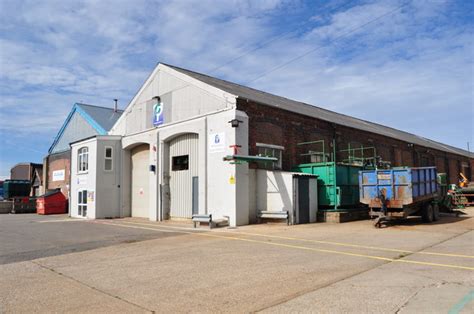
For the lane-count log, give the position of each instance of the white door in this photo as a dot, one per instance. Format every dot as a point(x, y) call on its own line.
point(183, 167)
point(140, 181)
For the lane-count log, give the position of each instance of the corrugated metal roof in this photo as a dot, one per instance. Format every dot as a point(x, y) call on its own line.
point(317, 112)
point(105, 117)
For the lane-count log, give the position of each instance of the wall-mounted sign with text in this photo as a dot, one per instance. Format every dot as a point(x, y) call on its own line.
point(217, 142)
point(82, 180)
point(59, 175)
point(90, 197)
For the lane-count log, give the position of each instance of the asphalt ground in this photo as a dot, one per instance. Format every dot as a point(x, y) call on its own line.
point(169, 267)
point(29, 236)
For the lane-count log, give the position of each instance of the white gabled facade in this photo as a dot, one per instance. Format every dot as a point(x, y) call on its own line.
point(192, 110)
point(176, 169)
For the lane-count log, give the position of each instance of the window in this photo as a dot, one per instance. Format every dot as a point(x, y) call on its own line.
point(83, 159)
point(82, 203)
point(180, 163)
point(108, 165)
point(268, 150)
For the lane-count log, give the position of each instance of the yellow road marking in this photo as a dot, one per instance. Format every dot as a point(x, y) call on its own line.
point(207, 234)
point(313, 241)
point(62, 220)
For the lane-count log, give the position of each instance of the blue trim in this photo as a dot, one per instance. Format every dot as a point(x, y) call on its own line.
point(58, 136)
point(85, 115)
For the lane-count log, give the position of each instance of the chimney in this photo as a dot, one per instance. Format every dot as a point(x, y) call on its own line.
point(115, 105)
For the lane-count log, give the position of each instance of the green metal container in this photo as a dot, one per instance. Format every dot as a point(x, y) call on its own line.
point(16, 188)
point(338, 184)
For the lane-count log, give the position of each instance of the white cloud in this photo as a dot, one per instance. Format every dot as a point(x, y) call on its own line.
point(399, 70)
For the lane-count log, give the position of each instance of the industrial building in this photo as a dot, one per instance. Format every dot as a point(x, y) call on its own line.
point(31, 172)
point(193, 145)
point(82, 121)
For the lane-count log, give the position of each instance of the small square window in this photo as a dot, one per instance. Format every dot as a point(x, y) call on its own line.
point(108, 152)
point(180, 163)
point(108, 159)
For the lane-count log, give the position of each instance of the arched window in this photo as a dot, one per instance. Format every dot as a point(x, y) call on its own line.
point(83, 159)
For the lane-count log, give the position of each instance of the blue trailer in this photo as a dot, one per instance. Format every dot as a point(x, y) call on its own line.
point(399, 193)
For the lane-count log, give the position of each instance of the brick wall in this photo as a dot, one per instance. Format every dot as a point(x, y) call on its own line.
point(271, 125)
point(58, 162)
point(21, 172)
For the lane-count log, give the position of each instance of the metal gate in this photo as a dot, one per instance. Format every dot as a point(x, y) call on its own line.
point(183, 161)
point(140, 181)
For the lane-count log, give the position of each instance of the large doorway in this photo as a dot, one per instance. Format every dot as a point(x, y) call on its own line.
point(184, 151)
point(140, 181)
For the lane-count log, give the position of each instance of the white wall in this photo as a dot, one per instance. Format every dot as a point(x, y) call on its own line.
point(104, 184)
point(275, 192)
point(149, 137)
point(217, 194)
point(107, 196)
point(182, 96)
point(83, 181)
point(252, 192)
point(227, 197)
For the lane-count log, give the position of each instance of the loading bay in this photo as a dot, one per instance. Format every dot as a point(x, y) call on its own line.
point(59, 264)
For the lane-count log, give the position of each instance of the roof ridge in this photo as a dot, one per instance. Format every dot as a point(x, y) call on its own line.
point(96, 106)
point(318, 107)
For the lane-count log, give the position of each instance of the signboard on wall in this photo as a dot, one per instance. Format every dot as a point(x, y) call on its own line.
point(217, 142)
point(90, 197)
point(59, 175)
point(158, 113)
point(82, 180)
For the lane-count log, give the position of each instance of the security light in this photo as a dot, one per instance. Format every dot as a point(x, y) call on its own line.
point(235, 123)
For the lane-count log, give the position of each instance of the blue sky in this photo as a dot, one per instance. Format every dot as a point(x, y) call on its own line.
point(412, 69)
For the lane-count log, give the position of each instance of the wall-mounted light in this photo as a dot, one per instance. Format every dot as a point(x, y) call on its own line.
point(235, 123)
point(157, 98)
point(410, 145)
point(152, 168)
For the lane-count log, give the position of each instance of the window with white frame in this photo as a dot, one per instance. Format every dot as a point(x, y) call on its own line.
point(108, 158)
point(83, 159)
point(82, 203)
point(269, 150)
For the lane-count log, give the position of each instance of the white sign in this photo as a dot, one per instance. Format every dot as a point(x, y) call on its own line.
point(90, 197)
point(82, 180)
point(59, 175)
point(217, 142)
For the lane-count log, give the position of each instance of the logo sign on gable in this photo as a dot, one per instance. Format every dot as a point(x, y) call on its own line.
point(158, 114)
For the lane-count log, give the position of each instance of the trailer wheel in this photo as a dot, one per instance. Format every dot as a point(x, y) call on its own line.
point(427, 213)
point(435, 212)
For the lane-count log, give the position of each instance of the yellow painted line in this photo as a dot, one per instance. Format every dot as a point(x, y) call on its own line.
point(313, 241)
point(207, 234)
point(62, 220)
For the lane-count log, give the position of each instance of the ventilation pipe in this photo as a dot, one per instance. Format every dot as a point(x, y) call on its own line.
point(115, 105)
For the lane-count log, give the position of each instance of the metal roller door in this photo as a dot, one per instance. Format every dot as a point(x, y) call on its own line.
point(184, 170)
point(140, 181)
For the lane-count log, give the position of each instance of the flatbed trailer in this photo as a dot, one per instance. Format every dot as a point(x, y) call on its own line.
point(400, 192)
